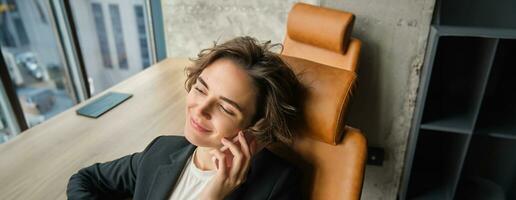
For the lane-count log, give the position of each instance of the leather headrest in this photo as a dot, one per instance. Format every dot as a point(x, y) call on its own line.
point(327, 92)
point(322, 27)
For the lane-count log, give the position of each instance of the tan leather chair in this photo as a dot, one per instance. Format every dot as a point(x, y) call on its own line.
point(318, 47)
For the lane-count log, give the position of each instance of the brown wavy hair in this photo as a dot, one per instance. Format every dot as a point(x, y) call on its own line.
point(276, 107)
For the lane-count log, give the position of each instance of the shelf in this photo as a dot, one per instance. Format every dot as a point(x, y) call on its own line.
point(437, 163)
point(478, 188)
point(465, 31)
point(431, 194)
point(463, 136)
point(501, 128)
point(458, 77)
point(498, 112)
point(455, 124)
point(476, 13)
point(490, 162)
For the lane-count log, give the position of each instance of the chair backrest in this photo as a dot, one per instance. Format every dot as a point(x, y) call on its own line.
point(332, 155)
point(322, 35)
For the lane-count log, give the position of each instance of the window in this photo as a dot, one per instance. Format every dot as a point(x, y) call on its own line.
point(142, 35)
point(40, 12)
point(8, 128)
point(121, 35)
point(20, 30)
point(4, 129)
point(100, 26)
point(7, 37)
point(41, 63)
point(35, 67)
point(13, 15)
point(118, 34)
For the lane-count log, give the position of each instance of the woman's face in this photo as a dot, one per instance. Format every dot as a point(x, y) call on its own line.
point(220, 103)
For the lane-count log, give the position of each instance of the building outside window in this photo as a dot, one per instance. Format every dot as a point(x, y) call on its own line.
point(113, 40)
point(100, 27)
point(142, 36)
point(35, 66)
point(118, 35)
point(108, 32)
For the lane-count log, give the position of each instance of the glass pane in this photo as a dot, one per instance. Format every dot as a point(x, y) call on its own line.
point(5, 133)
point(35, 64)
point(7, 120)
point(113, 36)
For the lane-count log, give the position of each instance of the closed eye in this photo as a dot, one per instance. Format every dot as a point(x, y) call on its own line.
point(199, 90)
point(226, 110)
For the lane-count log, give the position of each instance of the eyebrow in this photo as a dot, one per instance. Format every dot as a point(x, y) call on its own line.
point(222, 98)
point(232, 103)
point(202, 82)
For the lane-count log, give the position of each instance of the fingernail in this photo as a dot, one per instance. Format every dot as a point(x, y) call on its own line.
point(224, 140)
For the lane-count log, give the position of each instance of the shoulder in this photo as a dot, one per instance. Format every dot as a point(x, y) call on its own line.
point(166, 143)
point(268, 162)
point(270, 177)
point(171, 139)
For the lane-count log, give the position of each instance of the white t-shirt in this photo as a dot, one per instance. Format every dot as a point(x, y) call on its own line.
point(191, 182)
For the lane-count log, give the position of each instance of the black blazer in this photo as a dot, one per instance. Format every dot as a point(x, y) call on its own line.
point(152, 174)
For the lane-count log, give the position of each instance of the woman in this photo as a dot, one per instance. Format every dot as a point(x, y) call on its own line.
point(241, 97)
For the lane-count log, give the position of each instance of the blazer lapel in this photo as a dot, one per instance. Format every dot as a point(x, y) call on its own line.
point(167, 175)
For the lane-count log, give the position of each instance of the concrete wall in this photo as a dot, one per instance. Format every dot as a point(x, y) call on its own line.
point(194, 24)
point(394, 35)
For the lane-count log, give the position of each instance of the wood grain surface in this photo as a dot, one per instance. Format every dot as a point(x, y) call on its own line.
point(38, 163)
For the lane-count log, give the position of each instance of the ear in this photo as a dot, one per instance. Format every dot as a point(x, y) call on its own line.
point(248, 135)
point(254, 145)
point(257, 124)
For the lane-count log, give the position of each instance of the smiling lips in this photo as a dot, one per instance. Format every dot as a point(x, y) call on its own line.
point(197, 126)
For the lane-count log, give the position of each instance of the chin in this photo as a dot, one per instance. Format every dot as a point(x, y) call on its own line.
point(192, 139)
point(195, 139)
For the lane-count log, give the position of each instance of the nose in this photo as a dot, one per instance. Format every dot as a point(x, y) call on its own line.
point(204, 108)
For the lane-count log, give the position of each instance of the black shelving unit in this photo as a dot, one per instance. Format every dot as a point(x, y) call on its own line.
point(455, 90)
point(490, 169)
point(498, 114)
point(463, 138)
point(436, 164)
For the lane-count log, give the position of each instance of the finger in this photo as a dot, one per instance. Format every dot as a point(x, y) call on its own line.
point(237, 157)
point(247, 153)
point(221, 162)
point(234, 140)
point(244, 145)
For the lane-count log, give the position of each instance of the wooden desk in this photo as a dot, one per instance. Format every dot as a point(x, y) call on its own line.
point(38, 163)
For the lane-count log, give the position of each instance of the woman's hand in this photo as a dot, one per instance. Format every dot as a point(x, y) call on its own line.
point(232, 167)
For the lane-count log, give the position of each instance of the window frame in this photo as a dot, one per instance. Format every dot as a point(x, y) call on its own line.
point(63, 23)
